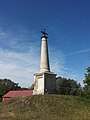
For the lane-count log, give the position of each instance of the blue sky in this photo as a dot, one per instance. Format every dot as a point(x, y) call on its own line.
point(68, 25)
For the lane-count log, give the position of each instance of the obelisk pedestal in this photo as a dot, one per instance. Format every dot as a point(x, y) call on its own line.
point(44, 81)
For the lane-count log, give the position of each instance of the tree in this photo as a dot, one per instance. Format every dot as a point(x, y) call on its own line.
point(66, 86)
point(87, 79)
point(6, 85)
point(86, 88)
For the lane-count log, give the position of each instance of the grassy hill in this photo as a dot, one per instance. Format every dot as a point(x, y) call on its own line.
point(47, 107)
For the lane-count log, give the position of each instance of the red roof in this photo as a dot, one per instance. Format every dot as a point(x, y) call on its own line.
point(18, 93)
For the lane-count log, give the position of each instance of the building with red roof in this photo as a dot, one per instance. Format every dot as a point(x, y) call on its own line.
point(20, 93)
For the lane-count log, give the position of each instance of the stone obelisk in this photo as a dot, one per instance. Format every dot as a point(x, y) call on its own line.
point(45, 80)
point(44, 65)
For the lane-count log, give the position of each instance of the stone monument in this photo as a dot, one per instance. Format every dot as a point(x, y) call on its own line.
point(45, 80)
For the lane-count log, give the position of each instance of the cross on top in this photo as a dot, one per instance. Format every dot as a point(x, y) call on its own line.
point(44, 33)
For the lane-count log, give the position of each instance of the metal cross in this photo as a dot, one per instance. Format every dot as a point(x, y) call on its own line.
point(44, 33)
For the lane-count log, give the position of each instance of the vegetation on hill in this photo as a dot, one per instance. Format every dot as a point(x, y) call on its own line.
point(6, 85)
point(66, 86)
point(46, 107)
point(87, 79)
point(86, 89)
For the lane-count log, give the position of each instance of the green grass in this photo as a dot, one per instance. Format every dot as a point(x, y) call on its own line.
point(46, 107)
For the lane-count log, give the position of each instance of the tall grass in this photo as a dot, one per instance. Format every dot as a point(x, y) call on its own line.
point(46, 107)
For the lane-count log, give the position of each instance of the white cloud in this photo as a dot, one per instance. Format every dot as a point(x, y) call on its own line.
point(78, 52)
point(19, 67)
point(19, 56)
point(57, 61)
point(58, 66)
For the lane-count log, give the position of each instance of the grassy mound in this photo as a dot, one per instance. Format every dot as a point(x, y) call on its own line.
point(46, 107)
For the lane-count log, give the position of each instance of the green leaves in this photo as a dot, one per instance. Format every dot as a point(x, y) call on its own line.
point(86, 88)
point(66, 86)
point(87, 78)
point(6, 85)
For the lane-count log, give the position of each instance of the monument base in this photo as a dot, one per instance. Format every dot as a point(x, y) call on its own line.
point(44, 83)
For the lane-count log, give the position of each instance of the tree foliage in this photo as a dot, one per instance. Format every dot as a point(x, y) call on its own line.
point(86, 88)
point(6, 85)
point(87, 79)
point(66, 86)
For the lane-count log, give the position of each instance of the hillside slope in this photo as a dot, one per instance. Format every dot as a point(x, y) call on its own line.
point(47, 107)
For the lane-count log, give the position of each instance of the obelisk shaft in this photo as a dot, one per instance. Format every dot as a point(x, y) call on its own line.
point(44, 64)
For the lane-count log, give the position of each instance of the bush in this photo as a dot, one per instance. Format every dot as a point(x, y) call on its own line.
point(67, 86)
point(86, 94)
point(0, 99)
